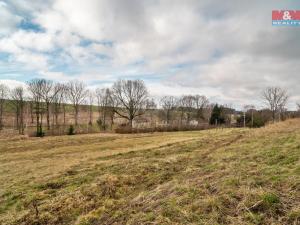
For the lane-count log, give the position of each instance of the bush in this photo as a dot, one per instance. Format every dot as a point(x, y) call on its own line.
point(40, 132)
point(258, 120)
point(71, 130)
point(101, 125)
point(129, 130)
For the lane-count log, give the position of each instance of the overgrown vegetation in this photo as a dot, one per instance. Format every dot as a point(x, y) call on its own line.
point(40, 132)
point(218, 176)
point(71, 130)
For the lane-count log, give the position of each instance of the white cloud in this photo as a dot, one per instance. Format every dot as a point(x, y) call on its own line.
point(12, 83)
point(8, 21)
point(42, 42)
point(227, 50)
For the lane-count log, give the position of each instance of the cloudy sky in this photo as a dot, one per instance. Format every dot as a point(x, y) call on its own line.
point(227, 50)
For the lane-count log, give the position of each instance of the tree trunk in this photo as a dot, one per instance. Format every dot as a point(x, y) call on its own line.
point(56, 119)
point(91, 115)
point(64, 110)
point(17, 118)
point(181, 118)
point(112, 121)
point(1, 115)
point(48, 115)
point(21, 131)
point(104, 118)
point(168, 117)
point(37, 122)
point(76, 115)
point(31, 113)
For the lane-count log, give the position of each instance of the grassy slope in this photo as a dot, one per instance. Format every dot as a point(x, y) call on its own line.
point(226, 176)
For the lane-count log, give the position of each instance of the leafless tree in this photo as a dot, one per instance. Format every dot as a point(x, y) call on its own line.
point(130, 97)
point(31, 108)
point(151, 107)
point(201, 103)
point(77, 93)
point(298, 105)
point(150, 104)
point(49, 92)
point(168, 103)
point(276, 99)
point(105, 105)
point(57, 100)
point(111, 109)
point(181, 107)
point(3, 96)
point(64, 92)
point(91, 96)
point(35, 88)
point(188, 105)
point(18, 102)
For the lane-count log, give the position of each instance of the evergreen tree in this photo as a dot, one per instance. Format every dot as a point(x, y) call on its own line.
point(217, 116)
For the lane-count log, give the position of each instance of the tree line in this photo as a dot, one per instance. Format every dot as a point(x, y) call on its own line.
point(46, 100)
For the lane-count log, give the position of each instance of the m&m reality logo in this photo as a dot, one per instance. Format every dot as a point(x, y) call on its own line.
point(286, 17)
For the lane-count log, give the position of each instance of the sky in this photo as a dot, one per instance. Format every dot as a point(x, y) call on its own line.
point(226, 50)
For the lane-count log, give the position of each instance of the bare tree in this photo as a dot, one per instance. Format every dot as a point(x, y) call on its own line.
point(3, 96)
point(104, 101)
point(168, 103)
point(35, 88)
point(111, 107)
point(77, 93)
point(188, 105)
point(64, 92)
point(31, 108)
point(130, 97)
point(181, 107)
point(57, 101)
point(151, 106)
point(276, 99)
point(91, 96)
point(18, 102)
point(298, 105)
point(49, 92)
point(201, 102)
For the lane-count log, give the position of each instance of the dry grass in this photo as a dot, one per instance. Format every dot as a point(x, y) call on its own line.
point(223, 176)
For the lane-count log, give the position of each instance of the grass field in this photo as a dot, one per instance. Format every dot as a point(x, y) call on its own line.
point(220, 176)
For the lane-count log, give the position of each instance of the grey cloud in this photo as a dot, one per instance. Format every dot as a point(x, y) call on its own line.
point(226, 46)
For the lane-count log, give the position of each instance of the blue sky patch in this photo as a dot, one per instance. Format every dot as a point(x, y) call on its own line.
point(27, 25)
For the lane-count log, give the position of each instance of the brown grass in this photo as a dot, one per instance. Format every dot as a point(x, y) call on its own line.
point(219, 176)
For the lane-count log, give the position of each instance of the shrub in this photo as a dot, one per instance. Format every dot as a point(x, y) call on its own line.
point(101, 125)
point(128, 130)
point(40, 132)
point(258, 120)
point(71, 130)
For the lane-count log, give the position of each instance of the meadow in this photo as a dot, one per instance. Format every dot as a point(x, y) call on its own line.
point(217, 176)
